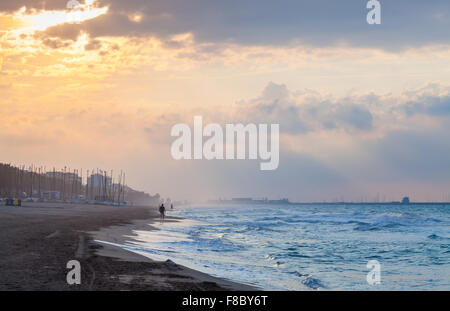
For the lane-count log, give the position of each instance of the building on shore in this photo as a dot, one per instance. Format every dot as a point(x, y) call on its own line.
point(405, 200)
point(41, 184)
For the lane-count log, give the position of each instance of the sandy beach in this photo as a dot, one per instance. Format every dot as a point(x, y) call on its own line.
point(38, 239)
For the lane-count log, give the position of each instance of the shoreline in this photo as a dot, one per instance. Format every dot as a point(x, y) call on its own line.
point(38, 239)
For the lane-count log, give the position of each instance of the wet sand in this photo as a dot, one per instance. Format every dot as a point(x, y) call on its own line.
point(38, 239)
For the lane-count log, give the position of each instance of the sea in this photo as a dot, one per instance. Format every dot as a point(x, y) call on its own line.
point(309, 246)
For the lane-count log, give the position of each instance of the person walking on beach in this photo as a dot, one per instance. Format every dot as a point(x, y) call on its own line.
point(162, 212)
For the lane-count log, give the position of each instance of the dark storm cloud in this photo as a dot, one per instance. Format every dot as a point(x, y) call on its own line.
point(404, 23)
point(316, 22)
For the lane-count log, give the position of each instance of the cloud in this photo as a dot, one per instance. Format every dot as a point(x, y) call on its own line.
point(356, 116)
point(430, 105)
point(318, 22)
point(56, 43)
point(306, 112)
point(301, 112)
point(405, 23)
point(93, 45)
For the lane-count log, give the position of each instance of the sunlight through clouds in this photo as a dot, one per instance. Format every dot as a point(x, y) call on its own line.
point(39, 20)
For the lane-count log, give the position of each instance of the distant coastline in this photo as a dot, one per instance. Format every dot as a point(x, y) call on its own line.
point(285, 201)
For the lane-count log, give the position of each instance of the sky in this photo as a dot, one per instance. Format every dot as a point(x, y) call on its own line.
point(363, 109)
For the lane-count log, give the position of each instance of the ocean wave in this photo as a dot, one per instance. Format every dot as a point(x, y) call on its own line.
point(269, 257)
point(392, 220)
point(255, 226)
point(269, 246)
point(297, 255)
point(218, 244)
point(363, 221)
point(374, 227)
point(308, 280)
point(437, 237)
point(369, 218)
point(312, 283)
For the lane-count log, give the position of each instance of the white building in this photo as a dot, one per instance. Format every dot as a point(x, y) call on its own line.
point(99, 181)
